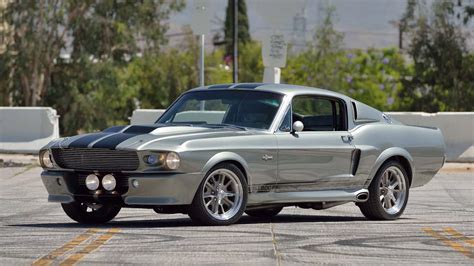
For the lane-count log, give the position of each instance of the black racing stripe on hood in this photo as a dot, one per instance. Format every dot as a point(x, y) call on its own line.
point(84, 141)
point(140, 129)
point(114, 140)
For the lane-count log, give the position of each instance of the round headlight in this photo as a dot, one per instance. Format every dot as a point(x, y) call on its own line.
point(109, 182)
point(92, 182)
point(172, 160)
point(46, 160)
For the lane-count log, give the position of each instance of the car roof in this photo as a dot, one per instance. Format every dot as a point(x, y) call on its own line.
point(286, 89)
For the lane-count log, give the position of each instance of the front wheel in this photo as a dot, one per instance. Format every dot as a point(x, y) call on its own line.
point(90, 213)
point(388, 193)
point(221, 197)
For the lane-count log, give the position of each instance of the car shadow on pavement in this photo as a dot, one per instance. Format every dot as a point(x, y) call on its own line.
point(186, 222)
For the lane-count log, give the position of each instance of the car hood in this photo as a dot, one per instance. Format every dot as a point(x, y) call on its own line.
point(143, 137)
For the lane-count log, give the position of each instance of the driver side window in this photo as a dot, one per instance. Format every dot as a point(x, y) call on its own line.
point(319, 113)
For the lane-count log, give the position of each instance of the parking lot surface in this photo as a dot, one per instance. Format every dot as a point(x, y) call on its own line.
point(437, 228)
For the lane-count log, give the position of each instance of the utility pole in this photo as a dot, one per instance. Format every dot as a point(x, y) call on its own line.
point(235, 32)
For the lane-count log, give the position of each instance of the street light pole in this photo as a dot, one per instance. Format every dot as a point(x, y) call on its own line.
point(235, 42)
point(201, 61)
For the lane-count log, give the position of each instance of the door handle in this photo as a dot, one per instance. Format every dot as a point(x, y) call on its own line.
point(347, 139)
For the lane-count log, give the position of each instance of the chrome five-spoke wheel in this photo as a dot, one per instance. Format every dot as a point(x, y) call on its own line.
point(392, 190)
point(388, 193)
point(222, 196)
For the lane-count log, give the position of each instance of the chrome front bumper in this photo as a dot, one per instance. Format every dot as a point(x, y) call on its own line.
point(152, 189)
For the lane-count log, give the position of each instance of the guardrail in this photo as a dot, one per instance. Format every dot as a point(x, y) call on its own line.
point(27, 129)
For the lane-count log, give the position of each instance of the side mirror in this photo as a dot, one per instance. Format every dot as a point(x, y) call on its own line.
point(298, 126)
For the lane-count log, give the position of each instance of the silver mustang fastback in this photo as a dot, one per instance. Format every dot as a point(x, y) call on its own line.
point(222, 150)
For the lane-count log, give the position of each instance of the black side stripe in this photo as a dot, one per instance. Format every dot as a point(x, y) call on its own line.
point(84, 141)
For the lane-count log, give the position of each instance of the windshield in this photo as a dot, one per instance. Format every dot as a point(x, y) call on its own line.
point(249, 109)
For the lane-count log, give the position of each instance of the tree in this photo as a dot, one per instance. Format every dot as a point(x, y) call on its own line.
point(373, 76)
point(40, 31)
point(98, 30)
point(120, 29)
point(443, 78)
point(243, 27)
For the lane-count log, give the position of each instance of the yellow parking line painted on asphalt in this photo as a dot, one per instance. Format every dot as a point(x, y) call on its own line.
point(74, 258)
point(459, 235)
point(454, 245)
point(49, 258)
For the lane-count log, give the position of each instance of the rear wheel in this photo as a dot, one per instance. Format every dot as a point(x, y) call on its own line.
point(90, 213)
point(221, 198)
point(264, 213)
point(388, 193)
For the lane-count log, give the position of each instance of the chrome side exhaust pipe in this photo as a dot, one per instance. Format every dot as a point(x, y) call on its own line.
point(362, 197)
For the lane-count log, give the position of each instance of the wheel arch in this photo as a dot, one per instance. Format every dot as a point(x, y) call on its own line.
point(228, 157)
point(396, 154)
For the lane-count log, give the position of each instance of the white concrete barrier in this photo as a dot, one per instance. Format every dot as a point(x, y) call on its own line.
point(145, 116)
point(27, 129)
point(457, 128)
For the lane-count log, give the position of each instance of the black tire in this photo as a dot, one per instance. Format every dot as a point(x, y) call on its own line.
point(264, 213)
point(198, 211)
point(78, 211)
point(373, 208)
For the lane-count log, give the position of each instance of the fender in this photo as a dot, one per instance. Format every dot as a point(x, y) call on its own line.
point(227, 156)
point(383, 157)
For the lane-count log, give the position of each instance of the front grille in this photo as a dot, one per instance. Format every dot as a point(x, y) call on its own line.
point(96, 159)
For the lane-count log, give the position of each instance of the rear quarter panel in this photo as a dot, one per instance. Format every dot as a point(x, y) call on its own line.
point(422, 147)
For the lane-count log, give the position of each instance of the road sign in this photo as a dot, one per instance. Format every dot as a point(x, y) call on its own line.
point(201, 17)
point(274, 50)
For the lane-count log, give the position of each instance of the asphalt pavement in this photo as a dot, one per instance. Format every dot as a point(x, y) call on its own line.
point(436, 228)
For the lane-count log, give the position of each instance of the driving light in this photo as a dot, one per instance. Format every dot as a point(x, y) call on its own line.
point(151, 159)
point(92, 182)
point(172, 160)
point(45, 159)
point(109, 182)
